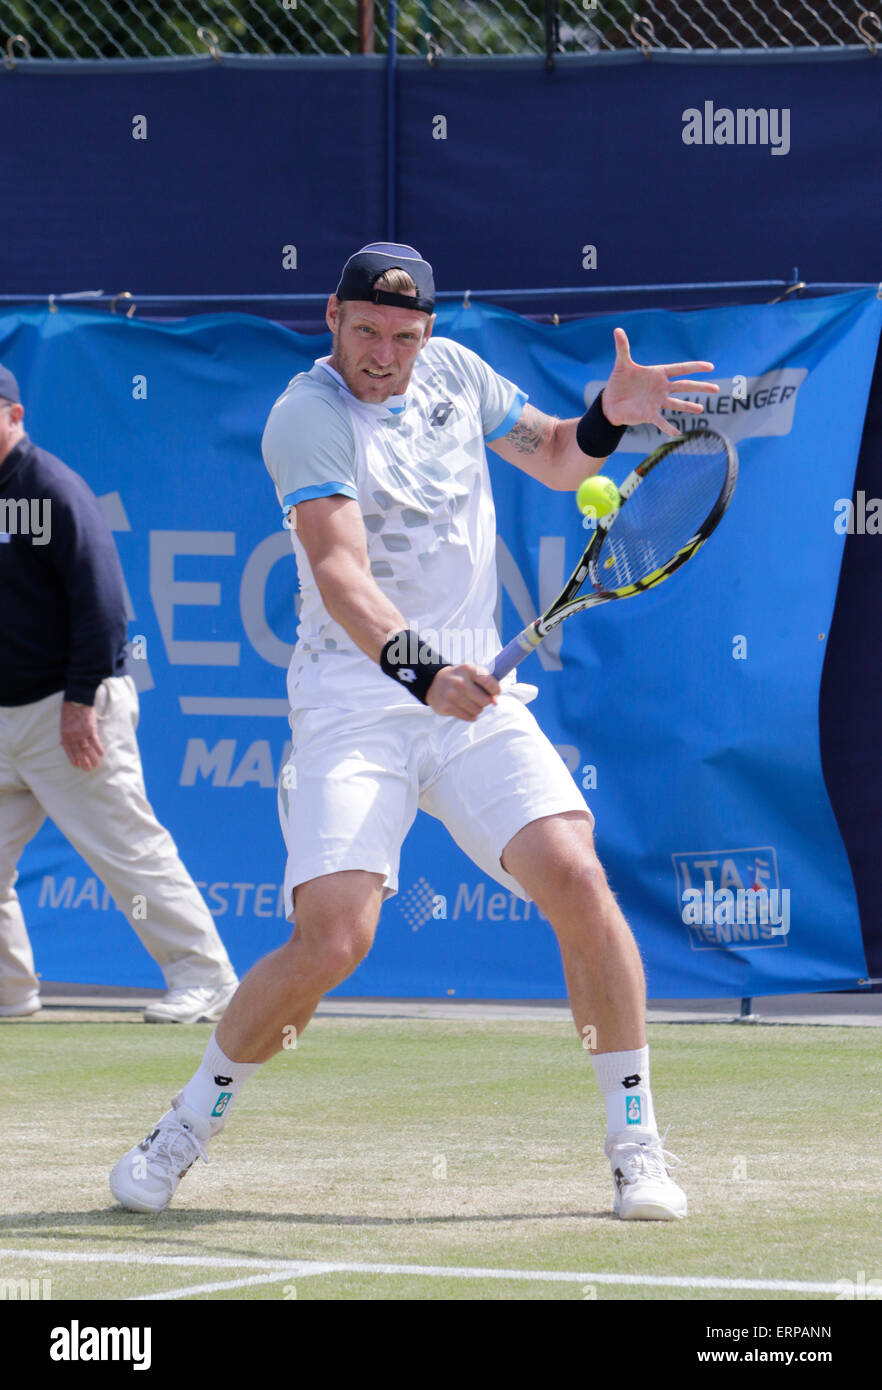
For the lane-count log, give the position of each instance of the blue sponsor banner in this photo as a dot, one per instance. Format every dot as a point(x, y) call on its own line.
point(689, 715)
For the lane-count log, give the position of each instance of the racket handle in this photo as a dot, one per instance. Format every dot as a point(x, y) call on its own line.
point(512, 655)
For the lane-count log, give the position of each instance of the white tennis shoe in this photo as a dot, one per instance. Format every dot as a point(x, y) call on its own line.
point(23, 1008)
point(147, 1177)
point(191, 1005)
point(645, 1190)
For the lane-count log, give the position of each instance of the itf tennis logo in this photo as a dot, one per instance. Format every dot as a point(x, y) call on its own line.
point(732, 899)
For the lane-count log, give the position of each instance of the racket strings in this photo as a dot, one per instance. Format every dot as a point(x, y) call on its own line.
point(665, 511)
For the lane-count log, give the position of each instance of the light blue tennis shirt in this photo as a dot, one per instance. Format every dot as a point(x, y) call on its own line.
point(417, 468)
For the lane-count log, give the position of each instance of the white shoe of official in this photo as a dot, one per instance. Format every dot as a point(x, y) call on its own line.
point(147, 1177)
point(24, 1008)
point(191, 1005)
point(645, 1190)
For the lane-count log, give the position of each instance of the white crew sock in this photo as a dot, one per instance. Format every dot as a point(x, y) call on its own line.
point(623, 1077)
point(215, 1085)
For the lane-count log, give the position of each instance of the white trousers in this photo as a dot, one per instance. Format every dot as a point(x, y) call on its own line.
point(106, 816)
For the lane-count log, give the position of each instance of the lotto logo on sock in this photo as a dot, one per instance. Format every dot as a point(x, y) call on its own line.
point(222, 1102)
point(633, 1112)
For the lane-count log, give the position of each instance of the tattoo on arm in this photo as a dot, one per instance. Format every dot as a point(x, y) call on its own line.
point(532, 432)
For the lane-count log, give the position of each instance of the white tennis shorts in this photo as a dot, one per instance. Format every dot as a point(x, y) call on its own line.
point(356, 778)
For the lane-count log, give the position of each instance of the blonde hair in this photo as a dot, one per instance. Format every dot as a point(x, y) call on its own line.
point(396, 280)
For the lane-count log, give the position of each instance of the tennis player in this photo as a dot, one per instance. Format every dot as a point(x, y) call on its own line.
point(377, 455)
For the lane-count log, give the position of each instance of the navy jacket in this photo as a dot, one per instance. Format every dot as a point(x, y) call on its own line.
point(62, 596)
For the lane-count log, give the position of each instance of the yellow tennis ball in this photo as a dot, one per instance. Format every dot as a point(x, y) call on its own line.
point(598, 496)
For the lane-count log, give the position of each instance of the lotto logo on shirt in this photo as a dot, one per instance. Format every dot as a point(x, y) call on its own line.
point(441, 413)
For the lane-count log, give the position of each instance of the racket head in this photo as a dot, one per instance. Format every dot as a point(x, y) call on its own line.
point(672, 502)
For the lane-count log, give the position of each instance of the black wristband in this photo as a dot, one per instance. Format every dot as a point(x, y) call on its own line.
point(410, 660)
point(594, 433)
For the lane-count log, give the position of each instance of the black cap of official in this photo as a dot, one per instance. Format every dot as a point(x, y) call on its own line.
point(8, 386)
point(362, 269)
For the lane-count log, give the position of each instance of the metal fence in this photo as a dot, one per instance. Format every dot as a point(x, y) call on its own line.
point(98, 29)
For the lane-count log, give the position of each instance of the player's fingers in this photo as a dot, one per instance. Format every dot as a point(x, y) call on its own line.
point(480, 698)
point(623, 347)
point(710, 386)
point(472, 706)
point(472, 698)
point(489, 684)
point(681, 368)
point(666, 427)
point(457, 702)
point(691, 407)
point(457, 708)
point(477, 682)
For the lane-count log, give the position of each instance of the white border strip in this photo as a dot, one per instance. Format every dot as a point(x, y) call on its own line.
point(301, 1269)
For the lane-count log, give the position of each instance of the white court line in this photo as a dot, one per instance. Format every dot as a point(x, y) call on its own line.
point(307, 1268)
point(295, 1272)
point(111, 1257)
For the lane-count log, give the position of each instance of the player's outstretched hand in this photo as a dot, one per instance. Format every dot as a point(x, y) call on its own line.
point(463, 691)
point(636, 395)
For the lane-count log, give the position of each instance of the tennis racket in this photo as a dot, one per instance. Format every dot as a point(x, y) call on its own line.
point(671, 503)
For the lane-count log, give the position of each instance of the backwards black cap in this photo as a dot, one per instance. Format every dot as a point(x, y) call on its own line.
point(362, 269)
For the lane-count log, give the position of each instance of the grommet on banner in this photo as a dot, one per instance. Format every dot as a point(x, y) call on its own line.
point(9, 60)
point(555, 319)
point(466, 303)
point(124, 294)
point(879, 291)
point(209, 38)
point(791, 289)
point(867, 16)
point(649, 30)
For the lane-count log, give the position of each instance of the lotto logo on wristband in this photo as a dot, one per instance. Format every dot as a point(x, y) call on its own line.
point(633, 1110)
point(407, 675)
